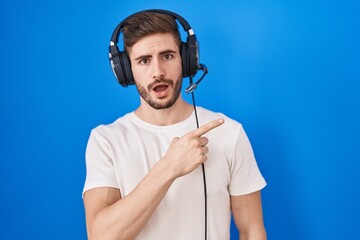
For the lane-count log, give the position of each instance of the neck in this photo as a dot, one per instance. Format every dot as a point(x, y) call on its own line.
point(163, 117)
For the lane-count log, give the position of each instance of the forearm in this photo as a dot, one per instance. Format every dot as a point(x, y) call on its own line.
point(255, 234)
point(247, 213)
point(128, 216)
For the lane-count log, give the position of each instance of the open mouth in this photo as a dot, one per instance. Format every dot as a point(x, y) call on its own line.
point(160, 88)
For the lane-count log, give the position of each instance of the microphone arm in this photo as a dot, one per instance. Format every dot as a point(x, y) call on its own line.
point(193, 86)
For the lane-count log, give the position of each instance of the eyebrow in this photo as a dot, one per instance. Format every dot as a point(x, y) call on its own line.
point(161, 53)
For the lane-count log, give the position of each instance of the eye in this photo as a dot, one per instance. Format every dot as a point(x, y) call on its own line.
point(143, 61)
point(168, 56)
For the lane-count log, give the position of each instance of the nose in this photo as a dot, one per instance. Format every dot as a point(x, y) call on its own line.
point(158, 69)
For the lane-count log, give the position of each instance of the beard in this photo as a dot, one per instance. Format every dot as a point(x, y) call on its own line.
point(145, 93)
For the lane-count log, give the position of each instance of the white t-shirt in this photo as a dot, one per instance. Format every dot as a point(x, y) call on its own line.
point(120, 154)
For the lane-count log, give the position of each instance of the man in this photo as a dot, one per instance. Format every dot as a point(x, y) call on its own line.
point(144, 176)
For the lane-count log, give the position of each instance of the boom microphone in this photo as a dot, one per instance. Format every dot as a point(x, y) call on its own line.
point(193, 86)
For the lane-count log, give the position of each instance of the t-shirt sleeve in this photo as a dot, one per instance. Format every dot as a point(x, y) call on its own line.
point(99, 165)
point(245, 174)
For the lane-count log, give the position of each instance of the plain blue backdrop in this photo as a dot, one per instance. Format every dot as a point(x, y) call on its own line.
point(289, 71)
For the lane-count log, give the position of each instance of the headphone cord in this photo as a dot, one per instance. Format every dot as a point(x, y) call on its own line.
point(202, 165)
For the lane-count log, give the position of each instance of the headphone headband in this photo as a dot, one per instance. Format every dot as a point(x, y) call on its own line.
point(182, 21)
point(120, 63)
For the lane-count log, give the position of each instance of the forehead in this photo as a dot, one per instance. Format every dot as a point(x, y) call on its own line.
point(153, 44)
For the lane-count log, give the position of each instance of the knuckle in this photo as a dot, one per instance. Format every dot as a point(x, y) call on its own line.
point(193, 143)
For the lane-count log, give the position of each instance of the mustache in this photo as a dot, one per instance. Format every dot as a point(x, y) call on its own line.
point(157, 81)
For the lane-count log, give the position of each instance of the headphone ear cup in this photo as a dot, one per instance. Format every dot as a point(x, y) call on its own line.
point(126, 69)
point(189, 58)
point(184, 60)
point(193, 56)
point(116, 65)
point(121, 66)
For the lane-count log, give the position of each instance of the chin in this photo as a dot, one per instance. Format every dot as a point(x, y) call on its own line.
point(162, 104)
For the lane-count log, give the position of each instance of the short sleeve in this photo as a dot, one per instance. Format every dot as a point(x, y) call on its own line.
point(99, 166)
point(245, 174)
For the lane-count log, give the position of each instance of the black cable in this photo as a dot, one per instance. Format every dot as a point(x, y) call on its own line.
point(196, 117)
point(202, 165)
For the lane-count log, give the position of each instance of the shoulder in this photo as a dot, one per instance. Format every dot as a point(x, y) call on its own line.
point(230, 132)
point(117, 127)
point(206, 115)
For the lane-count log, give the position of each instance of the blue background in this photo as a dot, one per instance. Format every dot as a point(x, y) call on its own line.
point(288, 70)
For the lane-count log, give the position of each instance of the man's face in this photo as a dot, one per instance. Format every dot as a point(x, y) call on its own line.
point(156, 67)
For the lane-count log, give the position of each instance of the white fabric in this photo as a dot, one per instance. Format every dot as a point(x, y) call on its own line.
point(120, 154)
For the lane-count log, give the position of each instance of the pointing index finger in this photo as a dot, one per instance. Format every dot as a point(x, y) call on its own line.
point(207, 127)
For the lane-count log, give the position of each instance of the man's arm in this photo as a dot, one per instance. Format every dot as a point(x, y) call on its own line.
point(108, 216)
point(248, 217)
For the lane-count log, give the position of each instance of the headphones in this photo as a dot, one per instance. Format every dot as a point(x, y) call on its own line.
point(189, 52)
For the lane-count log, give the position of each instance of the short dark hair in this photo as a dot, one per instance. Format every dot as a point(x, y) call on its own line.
point(143, 24)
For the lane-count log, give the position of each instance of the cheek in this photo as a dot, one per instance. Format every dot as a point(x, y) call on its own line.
point(176, 68)
point(139, 74)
